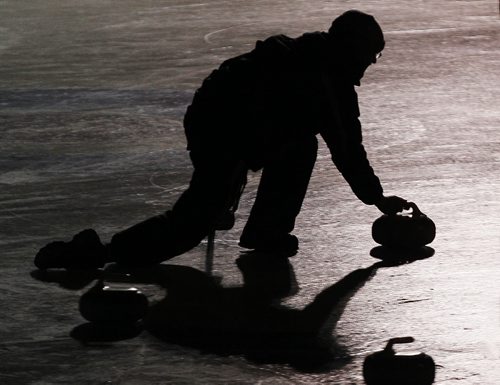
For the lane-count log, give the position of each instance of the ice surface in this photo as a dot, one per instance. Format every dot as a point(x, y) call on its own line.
point(92, 96)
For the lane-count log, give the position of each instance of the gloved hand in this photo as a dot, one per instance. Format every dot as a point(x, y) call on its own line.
point(392, 204)
point(85, 251)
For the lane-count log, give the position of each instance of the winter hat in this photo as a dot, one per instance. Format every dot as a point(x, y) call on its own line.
point(356, 29)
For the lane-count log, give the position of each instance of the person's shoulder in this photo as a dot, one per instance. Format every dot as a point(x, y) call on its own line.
point(306, 43)
point(313, 41)
point(280, 42)
point(274, 49)
point(317, 37)
point(312, 47)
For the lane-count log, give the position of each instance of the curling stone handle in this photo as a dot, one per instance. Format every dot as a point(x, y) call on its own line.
point(398, 340)
point(415, 211)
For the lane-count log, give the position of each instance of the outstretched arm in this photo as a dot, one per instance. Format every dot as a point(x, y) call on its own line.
point(342, 134)
point(392, 204)
point(344, 138)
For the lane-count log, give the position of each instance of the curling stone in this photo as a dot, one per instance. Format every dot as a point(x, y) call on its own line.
point(113, 305)
point(387, 367)
point(404, 231)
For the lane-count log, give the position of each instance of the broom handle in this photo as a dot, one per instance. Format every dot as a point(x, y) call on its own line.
point(209, 258)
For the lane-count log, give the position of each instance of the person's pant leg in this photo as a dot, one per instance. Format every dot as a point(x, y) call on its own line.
point(282, 189)
point(193, 215)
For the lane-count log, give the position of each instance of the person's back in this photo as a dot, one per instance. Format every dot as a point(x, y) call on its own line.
point(269, 95)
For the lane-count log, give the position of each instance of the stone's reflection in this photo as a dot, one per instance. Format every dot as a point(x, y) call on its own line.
point(91, 332)
point(399, 256)
point(249, 320)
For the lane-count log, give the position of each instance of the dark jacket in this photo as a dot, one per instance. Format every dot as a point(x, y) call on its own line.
point(283, 90)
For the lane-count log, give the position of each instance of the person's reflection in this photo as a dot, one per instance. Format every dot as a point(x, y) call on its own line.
point(249, 320)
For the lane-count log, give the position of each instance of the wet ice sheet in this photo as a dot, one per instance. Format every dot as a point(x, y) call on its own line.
point(91, 99)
